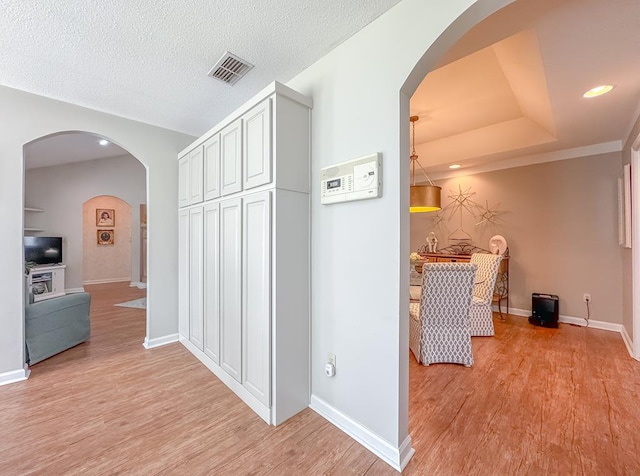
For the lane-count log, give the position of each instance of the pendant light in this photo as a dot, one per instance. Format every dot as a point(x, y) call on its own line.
point(422, 198)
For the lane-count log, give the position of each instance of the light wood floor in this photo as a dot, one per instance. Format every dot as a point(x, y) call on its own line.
point(537, 401)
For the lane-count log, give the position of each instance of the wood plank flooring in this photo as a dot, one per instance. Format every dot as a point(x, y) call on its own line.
point(537, 401)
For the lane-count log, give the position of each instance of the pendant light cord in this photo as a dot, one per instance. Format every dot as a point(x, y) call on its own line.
point(414, 156)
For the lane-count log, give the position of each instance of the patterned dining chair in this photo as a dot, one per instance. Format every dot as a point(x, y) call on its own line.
point(481, 314)
point(439, 329)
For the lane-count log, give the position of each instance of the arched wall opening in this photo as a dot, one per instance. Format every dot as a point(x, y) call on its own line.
point(79, 186)
point(432, 53)
point(27, 117)
point(575, 200)
point(360, 314)
point(66, 169)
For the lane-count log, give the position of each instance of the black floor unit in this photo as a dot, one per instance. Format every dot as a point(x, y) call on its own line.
point(544, 308)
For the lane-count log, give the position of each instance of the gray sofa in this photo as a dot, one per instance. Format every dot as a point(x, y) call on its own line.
point(55, 325)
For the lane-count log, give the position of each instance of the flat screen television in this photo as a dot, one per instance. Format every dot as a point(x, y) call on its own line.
point(43, 249)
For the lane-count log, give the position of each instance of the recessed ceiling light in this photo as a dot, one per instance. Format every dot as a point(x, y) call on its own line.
point(598, 91)
point(454, 166)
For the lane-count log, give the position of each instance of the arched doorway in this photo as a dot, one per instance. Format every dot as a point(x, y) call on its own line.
point(79, 186)
point(614, 310)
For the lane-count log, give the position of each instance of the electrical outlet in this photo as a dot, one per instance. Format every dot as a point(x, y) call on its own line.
point(330, 366)
point(586, 297)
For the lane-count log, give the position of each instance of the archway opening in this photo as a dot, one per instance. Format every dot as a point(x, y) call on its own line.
point(505, 200)
point(88, 193)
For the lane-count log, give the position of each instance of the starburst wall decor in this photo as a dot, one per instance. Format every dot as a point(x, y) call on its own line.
point(488, 215)
point(461, 201)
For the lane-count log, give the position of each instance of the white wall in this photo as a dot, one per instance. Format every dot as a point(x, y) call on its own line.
point(61, 190)
point(359, 249)
point(25, 117)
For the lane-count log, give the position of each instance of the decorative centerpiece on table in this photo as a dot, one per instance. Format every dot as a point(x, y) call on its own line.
point(416, 262)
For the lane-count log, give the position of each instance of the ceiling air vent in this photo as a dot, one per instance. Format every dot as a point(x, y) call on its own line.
point(229, 69)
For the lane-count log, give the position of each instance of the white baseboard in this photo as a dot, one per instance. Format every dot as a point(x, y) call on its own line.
point(628, 342)
point(138, 285)
point(159, 341)
point(106, 281)
point(397, 458)
point(605, 326)
point(15, 375)
point(74, 290)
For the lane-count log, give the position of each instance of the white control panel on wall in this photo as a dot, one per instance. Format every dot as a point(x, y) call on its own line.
point(356, 179)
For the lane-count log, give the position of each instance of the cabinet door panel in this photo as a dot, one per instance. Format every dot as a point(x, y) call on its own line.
point(195, 176)
point(212, 168)
point(183, 181)
point(211, 281)
point(230, 287)
point(256, 295)
point(183, 273)
point(256, 157)
point(231, 158)
point(196, 249)
point(55, 282)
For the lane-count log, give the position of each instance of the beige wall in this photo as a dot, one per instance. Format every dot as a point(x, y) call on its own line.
point(560, 220)
point(106, 263)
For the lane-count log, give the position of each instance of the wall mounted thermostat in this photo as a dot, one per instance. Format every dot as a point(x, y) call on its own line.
point(356, 179)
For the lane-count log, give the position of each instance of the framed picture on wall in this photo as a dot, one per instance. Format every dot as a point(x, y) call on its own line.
point(105, 217)
point(106, 237)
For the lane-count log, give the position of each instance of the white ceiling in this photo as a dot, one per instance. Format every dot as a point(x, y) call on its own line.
point(68, 147)
point(512, 87)
point(148, 59)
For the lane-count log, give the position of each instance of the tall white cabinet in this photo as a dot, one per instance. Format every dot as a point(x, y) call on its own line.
point(244, 252)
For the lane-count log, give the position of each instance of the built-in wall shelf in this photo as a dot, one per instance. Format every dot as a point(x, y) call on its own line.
point(32, 221)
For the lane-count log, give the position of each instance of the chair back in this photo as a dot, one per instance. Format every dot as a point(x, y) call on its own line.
point(485, 276)
point(446, 293)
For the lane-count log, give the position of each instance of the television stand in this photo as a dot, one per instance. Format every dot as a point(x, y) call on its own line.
point(46, 282)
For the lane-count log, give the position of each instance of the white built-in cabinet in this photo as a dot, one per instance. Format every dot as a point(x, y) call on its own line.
point(231, 158)
point(256, 157)
point(211, 298)
point(256, 298)
point(244, 252)
point(190, 173)
point(196, 273)
point(183, 272)
point(231, 287)
point(212, 168)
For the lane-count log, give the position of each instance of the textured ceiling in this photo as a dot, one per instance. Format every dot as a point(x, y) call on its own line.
point(148, 59)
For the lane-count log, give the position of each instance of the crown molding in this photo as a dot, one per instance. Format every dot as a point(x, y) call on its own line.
point(585, 151)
